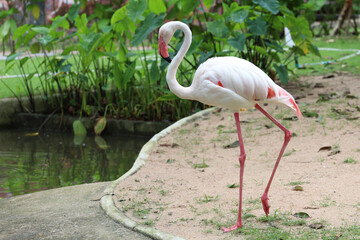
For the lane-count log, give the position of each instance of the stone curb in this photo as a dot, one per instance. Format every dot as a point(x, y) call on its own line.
point(107, 202)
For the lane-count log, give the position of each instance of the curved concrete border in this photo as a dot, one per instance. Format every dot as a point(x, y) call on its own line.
point(107, 202)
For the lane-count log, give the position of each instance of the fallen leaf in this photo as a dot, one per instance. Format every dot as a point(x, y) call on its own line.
point(335, 151)
point(234, 185)
point(318, 85)
point(301, 215)
point(328, 76)
point(311, 208)
point(169, 145)
point(170, 160)
point(350, 118)
point(31, 134)
point(310, 114)
point(217, 110)
point(325, 148)
point(232, 145)
point(298, 188)
point(293, 118)
point(327, 96)
point(316, 225)
point(350, 96)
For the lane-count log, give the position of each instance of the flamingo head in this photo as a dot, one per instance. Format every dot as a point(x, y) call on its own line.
point(165, 34)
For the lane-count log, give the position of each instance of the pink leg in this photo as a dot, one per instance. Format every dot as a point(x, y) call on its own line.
point(242, 163)
point(264, 197)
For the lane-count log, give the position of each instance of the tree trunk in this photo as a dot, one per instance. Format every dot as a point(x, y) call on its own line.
point(344, 15)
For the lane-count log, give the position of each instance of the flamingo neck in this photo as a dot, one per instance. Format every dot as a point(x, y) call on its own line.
point(175, 87)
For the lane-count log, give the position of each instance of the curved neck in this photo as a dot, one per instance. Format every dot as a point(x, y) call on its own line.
point(175, 87)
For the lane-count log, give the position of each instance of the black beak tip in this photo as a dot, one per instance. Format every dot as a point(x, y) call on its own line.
point(168, 59)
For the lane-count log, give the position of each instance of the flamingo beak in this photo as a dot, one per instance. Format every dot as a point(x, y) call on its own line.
point(163, 50)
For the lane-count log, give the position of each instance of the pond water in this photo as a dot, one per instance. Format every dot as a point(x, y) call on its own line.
point(51, 160)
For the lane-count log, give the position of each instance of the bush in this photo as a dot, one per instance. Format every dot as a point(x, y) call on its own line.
point(112, 63)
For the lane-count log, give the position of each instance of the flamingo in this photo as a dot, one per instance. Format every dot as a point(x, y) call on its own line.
point(232, 83)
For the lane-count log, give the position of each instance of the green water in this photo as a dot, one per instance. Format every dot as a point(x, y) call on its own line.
point(52, 160)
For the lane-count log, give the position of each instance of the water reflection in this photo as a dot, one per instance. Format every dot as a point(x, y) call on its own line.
point(51, 160)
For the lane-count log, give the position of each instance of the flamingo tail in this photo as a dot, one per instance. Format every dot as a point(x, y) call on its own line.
point(289, 101)
point(284, 98)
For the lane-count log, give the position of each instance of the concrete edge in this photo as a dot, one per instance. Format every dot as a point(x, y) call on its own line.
point(107, 202)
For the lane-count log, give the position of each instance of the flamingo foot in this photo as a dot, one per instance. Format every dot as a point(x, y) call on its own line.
point(232, 228)
point(265, 203)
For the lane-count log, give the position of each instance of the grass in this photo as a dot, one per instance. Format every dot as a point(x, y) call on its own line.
point(280, 226)
point(350, 65)
point(344, 42)
point(349, 160)
point(296, 183)
point(200, 165)
point(206, 198)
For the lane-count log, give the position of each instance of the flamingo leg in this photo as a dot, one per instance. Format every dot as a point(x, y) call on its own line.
point(242, 164)
point(264, 198)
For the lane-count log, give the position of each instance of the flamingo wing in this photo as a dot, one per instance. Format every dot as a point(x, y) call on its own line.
point(235, 83)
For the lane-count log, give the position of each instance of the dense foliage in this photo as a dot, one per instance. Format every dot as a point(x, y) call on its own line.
point(107, 63)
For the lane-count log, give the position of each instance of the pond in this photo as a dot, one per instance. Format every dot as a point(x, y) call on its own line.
point(51, 160)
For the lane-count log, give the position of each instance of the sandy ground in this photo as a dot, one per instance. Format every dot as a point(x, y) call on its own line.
point(188, 185)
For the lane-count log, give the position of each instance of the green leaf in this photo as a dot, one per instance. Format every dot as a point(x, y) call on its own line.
point(167, 97)
point(119, 15)
point(29, 36)
point(89, 41)
point(300, 31)
point(136, 9)
point(188, 6)
point(23, 61)
point(282, 72)
point(66, 68)
point(12, 57)
point(41, 30)
point(20, 31)
point(203, 57)
point(73, 12)
point(157, 6)
point(60, 21)
point(315, 5)
point(271, 5)
point(100, 125)
point(218, 28)
point(148, 25)
point(239, 16)
point(154, 72)
point(46, 40)
point(238, 41)
point(257, 27)
point(208, 3)
point(8, 27)
point(79, 128)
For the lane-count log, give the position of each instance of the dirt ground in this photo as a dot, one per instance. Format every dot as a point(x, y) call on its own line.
point(189, 184)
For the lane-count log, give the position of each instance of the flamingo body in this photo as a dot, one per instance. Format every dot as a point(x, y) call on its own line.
point(235, 83)
point(232, 83)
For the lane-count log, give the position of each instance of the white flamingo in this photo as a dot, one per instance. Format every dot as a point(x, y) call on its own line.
point(231, 83)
